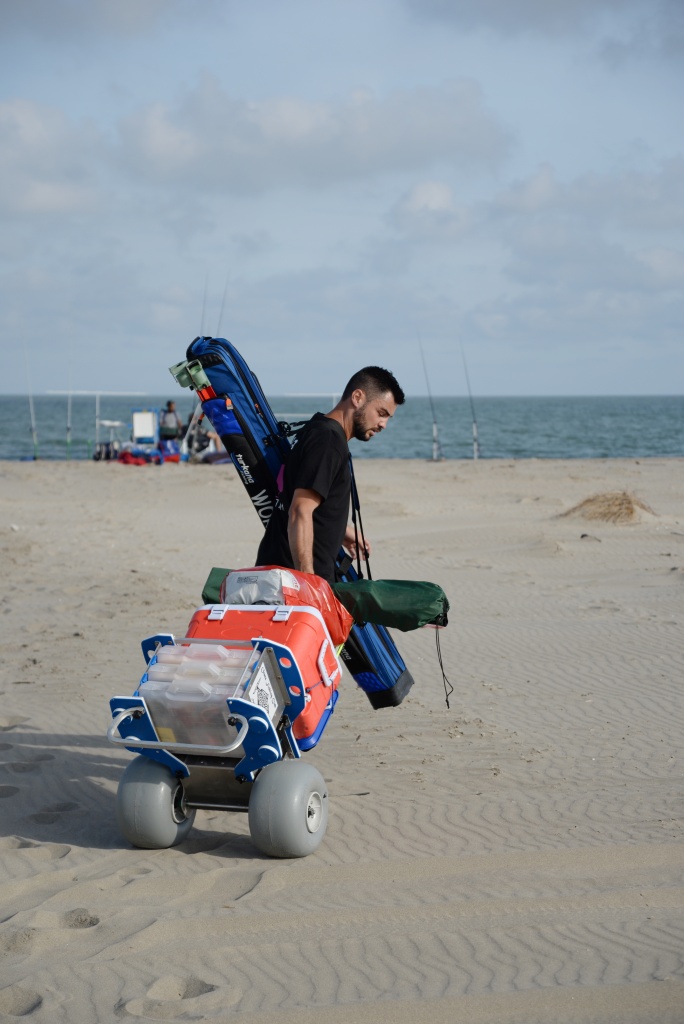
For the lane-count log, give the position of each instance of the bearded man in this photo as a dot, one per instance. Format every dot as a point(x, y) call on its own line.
point(311, 522)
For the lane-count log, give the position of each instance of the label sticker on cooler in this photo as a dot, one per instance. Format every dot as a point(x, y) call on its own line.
point(260, 692)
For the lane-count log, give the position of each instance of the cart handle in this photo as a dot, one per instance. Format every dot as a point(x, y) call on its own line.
point(327, 680)
point(178, 748)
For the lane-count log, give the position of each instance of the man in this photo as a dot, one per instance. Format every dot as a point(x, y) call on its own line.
point(307, 531)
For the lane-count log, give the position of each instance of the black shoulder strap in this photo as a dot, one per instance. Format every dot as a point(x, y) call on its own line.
point(356, 515)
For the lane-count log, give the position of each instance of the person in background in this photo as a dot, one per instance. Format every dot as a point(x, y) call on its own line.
point(170, 423)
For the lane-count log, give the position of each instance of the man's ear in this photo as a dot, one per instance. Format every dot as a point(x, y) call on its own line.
point(358, 397)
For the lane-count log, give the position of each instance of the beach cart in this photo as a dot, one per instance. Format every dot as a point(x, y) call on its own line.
point(220, 720)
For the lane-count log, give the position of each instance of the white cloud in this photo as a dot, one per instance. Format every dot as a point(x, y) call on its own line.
point(429, 211)
point(47, 164)
point(666, 265)
point(213, 140)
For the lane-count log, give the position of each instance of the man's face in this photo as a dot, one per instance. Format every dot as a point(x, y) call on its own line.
point(373, 415)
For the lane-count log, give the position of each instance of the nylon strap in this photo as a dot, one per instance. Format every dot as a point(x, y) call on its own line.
point(356, 513)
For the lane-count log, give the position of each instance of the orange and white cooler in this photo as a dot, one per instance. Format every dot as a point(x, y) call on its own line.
point(302, 630)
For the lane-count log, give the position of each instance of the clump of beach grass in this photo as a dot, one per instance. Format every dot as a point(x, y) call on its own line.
point(610, 507)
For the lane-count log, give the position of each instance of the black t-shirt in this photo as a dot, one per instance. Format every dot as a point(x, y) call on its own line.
point(319, 461)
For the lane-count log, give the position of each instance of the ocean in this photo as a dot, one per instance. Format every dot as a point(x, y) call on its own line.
point(508, 428)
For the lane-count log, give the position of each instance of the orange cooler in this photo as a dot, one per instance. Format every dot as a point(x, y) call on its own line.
point(301, 629)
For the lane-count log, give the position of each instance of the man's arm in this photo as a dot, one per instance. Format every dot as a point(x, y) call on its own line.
point(300, 530)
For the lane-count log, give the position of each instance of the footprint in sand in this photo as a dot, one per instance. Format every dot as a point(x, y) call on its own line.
point(16, 1001)
point(41, 933)
point(53, 812)
point(133, 874)
point(33, 765)
point(6, 791)
point(19, 767)
point(7, 723)
point(174, 996)
point(39, 851)
point(19, 941)
point(79, 917)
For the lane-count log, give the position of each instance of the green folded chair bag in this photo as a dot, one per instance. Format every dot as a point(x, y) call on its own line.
point(402, 604)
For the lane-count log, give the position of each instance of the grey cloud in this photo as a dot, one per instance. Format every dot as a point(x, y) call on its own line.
point(213, 140)
point(560, 255)
point(620, 30)
point(542, 210)
point(68, 19)
point(249, 245)
point(543, 16)
point(616, 234)
point(47, 164)
point(569, 324)
point(608, 245)
point(635, 199)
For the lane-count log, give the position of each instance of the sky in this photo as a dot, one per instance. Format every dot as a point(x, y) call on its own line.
point(336, 183)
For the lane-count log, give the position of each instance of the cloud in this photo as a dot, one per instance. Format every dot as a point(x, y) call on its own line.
point(47, 164)
point(213, 140)
point(429, 211)
point(614, 234)
point(548, 17)
point(651, 201)
point(666, 265)
point(548, 266)
point(619, 30)
point(546, 224)
point(563, 256)
point(54, 19)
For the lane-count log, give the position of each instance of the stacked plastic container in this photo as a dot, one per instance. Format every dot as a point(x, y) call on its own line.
point(187, 687)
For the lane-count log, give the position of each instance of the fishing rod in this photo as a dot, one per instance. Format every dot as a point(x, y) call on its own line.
point(204, 300)
point(68, 427)
point(32, 411)
point(436, 447)
point(476, 442)
point(223, 305)
point(68, 422)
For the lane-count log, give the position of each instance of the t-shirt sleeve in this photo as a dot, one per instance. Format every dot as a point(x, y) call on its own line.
point(321, 459)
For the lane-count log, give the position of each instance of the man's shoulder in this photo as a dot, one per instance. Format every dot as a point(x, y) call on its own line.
point(322, 428)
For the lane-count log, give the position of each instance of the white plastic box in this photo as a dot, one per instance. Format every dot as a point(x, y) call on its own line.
point(187, 689)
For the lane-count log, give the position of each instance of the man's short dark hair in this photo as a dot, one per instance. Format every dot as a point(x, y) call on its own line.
point(375, 381)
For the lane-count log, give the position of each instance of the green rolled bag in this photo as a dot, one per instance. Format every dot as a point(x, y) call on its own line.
point(211, 593)
point(400, 604)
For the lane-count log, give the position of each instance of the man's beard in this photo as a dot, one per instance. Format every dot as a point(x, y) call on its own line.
point(359, 431)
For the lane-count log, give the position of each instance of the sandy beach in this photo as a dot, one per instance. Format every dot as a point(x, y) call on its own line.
point(516, 858)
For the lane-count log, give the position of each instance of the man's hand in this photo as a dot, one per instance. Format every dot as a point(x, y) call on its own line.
point(300, 531)
point(350, 544)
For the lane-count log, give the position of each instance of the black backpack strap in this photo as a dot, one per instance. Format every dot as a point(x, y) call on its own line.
point(356, 515)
